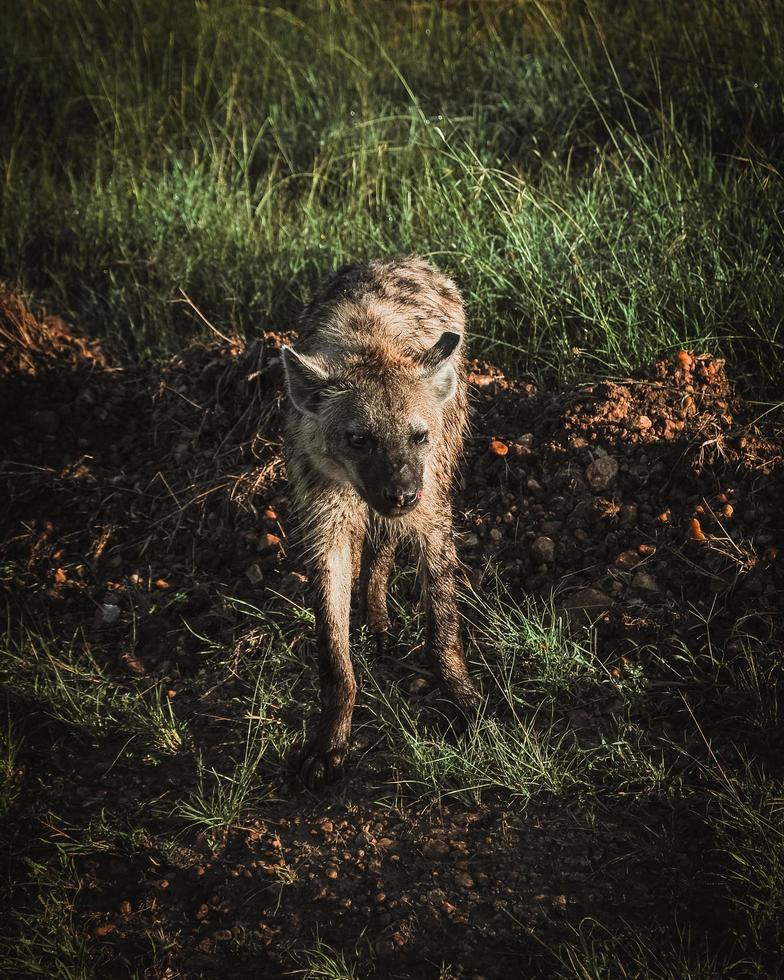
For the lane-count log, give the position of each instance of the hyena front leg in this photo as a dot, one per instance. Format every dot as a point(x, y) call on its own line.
point(377, 561)
point(325, 754)
point(444, 641)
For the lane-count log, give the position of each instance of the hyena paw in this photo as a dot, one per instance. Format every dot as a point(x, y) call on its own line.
point(322, 763)
point(466, 704)
point(383, 641)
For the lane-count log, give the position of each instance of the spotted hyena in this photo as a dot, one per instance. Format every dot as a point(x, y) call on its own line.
point(378, 407)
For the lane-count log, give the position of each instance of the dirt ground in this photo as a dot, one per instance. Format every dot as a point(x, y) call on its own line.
point(646, 503)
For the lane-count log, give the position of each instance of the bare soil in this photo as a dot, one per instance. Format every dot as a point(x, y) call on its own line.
point(646, 503)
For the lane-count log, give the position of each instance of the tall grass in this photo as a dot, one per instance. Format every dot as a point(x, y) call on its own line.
point(605, 182)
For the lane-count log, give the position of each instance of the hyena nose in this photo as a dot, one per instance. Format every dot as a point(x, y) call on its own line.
point(401, 498)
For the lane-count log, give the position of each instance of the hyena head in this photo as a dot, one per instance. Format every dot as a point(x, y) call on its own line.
point(373, 419)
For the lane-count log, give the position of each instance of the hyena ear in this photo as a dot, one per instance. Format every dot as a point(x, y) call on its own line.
point(305, 381)
point(438, 368)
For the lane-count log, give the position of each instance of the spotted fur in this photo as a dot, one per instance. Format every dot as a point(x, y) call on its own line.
point(379, 358)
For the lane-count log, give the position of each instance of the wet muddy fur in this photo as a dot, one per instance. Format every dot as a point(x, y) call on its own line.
point(377, 411)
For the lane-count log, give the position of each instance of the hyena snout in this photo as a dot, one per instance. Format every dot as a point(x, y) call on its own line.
point(402, 497)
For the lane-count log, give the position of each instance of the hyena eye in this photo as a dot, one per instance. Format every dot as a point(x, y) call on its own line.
point(419, 437)
point(357, 439)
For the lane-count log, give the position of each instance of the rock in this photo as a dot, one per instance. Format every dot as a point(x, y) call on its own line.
point(464, 880)
point(601, 473)
point(672, 427)
point(628, 559)
point(643, 423)
point(695, 530)
point(254, 574)
point(627, 516)
point(526, 441)
point(202, 911)
point(268, 542)
point(498, 448)
point(644, 581)
point(471, 541)
point(435, 850)
point(109, 613)
point(590, 600)
point(104, 929)
point(496, 535)
point(543, 550)
point(685, 360)
point(418, 686)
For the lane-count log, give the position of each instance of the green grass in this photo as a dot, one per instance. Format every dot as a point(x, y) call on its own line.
point(64, 680)
point(604, 181)
point(560, 728)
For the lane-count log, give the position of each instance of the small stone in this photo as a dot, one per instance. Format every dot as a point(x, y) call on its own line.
point(161, 583)
point(526, 440)
point(672, 427)
point(202, 911)
point(418, 686)
point(104, 929)
point(643, 423)
point(464, 880)
point(627, 559)
point(685, 360)
point(133, 664)
point(498, 448)
point(269, 542)
point(331, 872)
point(125, 908)
point(543, 550)
point(223, 935)
point(471, 541)
point(496, 535)
point(627, 515)
point(254, 574)
point(591, 600)
point(644, 581)
point(109, 613)
point(601, 473)
point(695, 530)
point(435, 850)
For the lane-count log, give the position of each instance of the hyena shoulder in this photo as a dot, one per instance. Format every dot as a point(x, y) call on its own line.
point(406, 303)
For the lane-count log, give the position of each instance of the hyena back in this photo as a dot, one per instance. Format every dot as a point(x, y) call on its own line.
point(378, 408)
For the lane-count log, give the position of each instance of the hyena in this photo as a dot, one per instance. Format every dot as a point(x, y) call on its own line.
point(378, 407)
